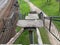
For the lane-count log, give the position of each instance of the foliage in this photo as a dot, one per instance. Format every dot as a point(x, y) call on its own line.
point(50, 10)
point(24, 8)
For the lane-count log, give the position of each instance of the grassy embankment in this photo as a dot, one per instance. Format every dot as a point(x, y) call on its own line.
point(51, 9)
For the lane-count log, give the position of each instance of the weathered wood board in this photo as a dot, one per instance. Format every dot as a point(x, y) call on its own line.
point(30, 23)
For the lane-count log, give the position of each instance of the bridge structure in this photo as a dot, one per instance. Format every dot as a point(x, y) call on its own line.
point(34, 23)
point(9, 19)
point(39, 21)
point(31, 23)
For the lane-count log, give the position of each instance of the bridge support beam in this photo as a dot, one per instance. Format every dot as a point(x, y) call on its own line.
point(31, 36)
point(31, 33)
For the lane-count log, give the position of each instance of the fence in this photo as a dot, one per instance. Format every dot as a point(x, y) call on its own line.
point(52, 27)
point(48, 23)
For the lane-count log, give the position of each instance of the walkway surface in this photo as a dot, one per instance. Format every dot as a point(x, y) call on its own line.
point(30, 21)
point(53, 40)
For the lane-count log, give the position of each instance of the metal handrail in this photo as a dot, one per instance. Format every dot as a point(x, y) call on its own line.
point(52, 18)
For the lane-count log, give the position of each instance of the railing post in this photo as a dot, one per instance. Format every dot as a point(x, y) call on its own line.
point(43, 21)
point(31, 36)
point(50, 24)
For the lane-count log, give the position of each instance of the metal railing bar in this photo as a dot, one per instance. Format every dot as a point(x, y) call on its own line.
point(55, 36)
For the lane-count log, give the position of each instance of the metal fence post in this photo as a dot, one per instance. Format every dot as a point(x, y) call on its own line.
point(31, 36)
point(50, 24)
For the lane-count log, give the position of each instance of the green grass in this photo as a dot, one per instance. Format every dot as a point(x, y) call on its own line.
point(18, 29)
point(24, 38)
point(24, 7)
point(24, 10)
point(57, 24)
point(51, 9)
point(44, 36)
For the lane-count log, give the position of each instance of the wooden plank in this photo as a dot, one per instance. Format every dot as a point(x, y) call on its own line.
point(39, 37)
point(32, 16)
point(30, 23)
